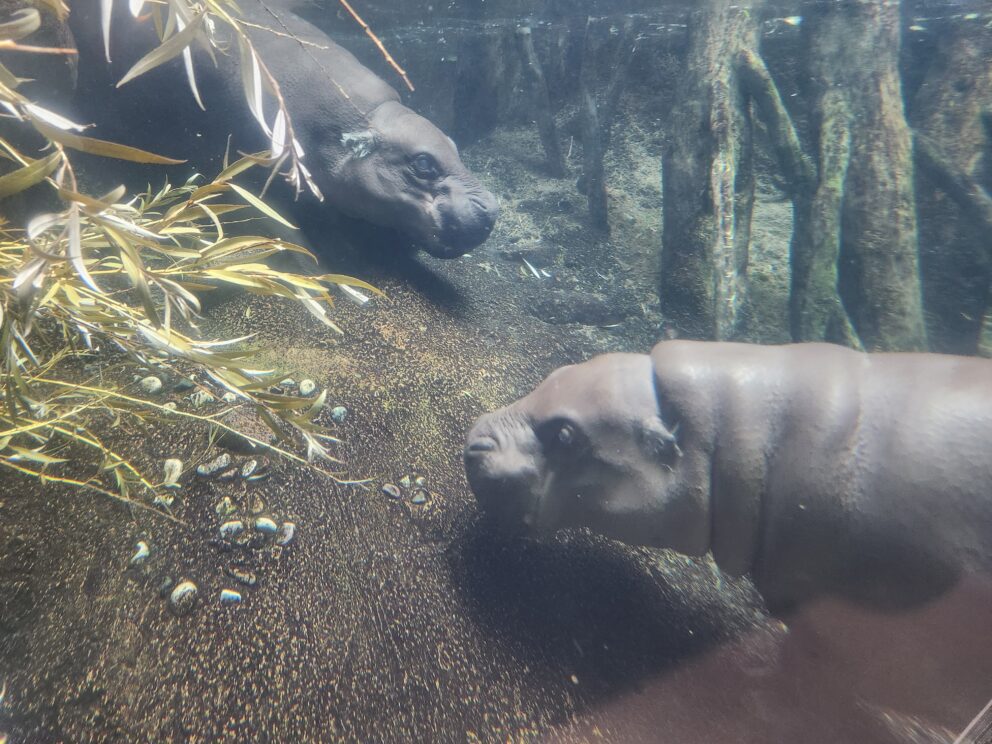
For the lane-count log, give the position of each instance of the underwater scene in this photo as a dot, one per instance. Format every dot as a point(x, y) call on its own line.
point(496, 371)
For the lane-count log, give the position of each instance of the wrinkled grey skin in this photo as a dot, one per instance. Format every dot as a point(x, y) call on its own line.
point(812, 467)
point(371, 156)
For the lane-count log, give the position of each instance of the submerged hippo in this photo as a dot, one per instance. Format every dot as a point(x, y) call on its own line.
point(371, 156)
point(812, 467)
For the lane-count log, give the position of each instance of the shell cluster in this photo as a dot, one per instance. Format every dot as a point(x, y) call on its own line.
point(224, 468)
point(409, 487)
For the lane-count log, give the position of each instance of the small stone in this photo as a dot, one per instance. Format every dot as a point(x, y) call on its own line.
point(241, 575)
point(286, 533)
point(172, 469)
point(151, 384)
point(140, 554)
point(183, 597)
point(405, 482)
point(183, 385)
point(289, 382)
point(392, 491)
point(170, 406)
point(257, 505)
point(228, 475)
point(231, 529)
point(249, 468)
point(229, 596)
point(420, 497)
point(265, 525)
point(420, 481)
point(229, 397)
point(210, 469)
point(163, 499)
point(307, 388)
point(339, 414)
point(201, 398)
point(225, 507)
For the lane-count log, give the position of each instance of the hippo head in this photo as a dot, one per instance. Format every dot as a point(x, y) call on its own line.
point(586, 448)
point(405, 173)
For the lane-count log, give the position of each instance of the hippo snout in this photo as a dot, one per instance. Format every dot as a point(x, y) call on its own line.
point(466, 219)
point(503, 466)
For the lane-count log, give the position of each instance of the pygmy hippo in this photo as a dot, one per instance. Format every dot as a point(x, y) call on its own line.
point(370, 156)
point(812, 467)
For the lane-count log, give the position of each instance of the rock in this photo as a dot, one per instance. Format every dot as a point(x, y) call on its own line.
point(141, 553)
point(307, 388)
point(231, 529)
point(212, 468)
point(286, 533)
point(201, 398)
point(229, 596)
point(242, 575)
point(151, 384)
point(420, 497)
point(172, 469)
point(229, 397)
point(392, 491)
point(339, 414)
point(183, 597)
point(265, 525)
point(225, 507)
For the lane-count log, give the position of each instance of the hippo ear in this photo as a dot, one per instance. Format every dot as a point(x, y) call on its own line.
point(657, 440)
point(361, 143)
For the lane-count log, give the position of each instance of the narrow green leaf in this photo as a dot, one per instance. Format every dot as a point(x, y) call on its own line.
point(31, 174)
point(102, 147)
point(166, 50)
point(23, 23)
point(261, 206)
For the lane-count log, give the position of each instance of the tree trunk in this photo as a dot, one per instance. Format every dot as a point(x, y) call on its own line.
point(952, 189)
point(707, 179)
point(542, 103)
point(867, 166)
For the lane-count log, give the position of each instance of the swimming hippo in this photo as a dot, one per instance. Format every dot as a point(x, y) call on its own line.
point(811, 467)
point(370, 156)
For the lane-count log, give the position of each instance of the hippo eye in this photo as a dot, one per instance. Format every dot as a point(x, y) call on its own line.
point(425, 166)
point(560, 436)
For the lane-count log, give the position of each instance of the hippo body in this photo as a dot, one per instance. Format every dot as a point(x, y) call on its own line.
point(370, 156)
point(812, 467)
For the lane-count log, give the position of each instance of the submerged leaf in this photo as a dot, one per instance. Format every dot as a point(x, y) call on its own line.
point(190, 73)
point(23, 23)
point(279, 134)
point(50, 117)
point(166, 50)
point(251, 81)
point(103, 148)
point(29, 175)
point(106, 11)
point(261, 206)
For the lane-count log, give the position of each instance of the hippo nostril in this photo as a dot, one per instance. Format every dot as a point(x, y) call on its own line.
point(484, 444)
